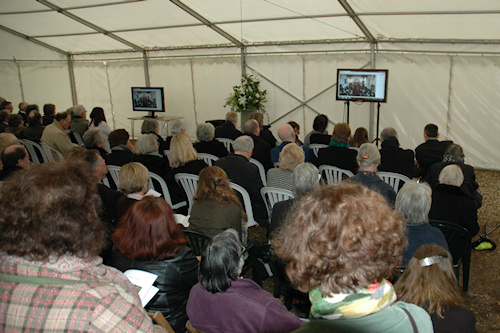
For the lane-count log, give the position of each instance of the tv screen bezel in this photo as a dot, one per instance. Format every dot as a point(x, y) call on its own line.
point(161, 107)
point(362, 98)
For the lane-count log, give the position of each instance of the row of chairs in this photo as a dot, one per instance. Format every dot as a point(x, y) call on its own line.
point(40, 153)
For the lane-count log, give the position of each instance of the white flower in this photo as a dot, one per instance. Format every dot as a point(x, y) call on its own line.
point(242, 100)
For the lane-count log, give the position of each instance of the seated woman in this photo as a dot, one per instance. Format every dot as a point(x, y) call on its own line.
point(216, 207)
point(206, 144)
point(429, 281)
point(319, 134)
point(341, 244)
point(147, 238)
point(98, 121)
point(152, 126)
point(291, 156)
point(265, 133)
point(339, 154)
point(222, 302)
point(296, 129)
point(413, 202)
point(360, 136)
point(50, 240)
point(93, 139)
point(35, 129)
point(183, 157)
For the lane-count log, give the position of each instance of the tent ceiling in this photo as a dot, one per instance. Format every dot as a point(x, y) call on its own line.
point(100, 26)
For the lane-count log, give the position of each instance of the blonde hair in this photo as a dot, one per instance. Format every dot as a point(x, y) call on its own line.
point(291, 156)
point(181, 151)
point(133, 178)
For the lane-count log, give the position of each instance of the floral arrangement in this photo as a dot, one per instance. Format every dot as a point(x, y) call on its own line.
point(248, 96)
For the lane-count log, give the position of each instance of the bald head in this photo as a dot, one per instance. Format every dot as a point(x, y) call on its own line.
point(15, 155)
point(252, 126)
point(286, 133)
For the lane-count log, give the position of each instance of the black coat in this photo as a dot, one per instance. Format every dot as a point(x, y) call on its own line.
point(395, 159)
point(267, 135)
point(339, 157)
point(428, 153)
point(227, 130)
point(261, 151)
point(120, 156)
point(213, 147)
point(193, 167)
point(320, 138)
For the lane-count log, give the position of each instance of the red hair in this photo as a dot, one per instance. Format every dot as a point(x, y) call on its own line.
point(148, 231)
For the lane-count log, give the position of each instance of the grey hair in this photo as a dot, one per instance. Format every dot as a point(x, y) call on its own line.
point(387, 133)
point(250, 126)
point(305, 178)
point(451, 175)
point(231, 116)
point(177, 126)
point(78, 110)
point(149, 126)
point(146, 143)
point(205, 132)
point(92, 137)
point(413, 202)
point(243, 143)
point(454, 153)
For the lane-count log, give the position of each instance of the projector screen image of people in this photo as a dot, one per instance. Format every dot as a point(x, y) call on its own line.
point(148, 99)
point(362, 85)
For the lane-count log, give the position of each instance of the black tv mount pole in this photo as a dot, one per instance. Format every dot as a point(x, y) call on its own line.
point(377, 139)
point(347, 102)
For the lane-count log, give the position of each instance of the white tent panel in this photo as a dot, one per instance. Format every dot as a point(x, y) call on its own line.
point(22, 49)
point(370, 6)
point(84, 43)
point(9, 81)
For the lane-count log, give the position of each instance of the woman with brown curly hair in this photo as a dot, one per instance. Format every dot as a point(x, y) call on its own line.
point(341, 244)
point(429, 281)
point(360, 136)
point(216, 207)
point(51, 275)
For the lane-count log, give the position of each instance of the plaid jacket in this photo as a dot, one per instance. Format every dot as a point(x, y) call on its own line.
point(105, 302)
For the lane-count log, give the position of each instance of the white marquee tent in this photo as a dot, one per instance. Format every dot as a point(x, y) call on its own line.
point(443, 59)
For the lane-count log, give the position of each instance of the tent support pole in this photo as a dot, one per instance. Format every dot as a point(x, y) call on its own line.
point(243, 60)
point(145, 62)
point(372, 66)
point(71, 72)
point(20, 78)
point(450, 91)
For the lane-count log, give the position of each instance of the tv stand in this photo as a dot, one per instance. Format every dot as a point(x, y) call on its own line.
point(151, 115)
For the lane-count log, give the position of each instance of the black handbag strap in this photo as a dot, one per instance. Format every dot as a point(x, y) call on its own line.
point(412, 321)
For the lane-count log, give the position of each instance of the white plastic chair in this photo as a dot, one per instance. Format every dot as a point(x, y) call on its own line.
point(113, 171)
point(78, 139)
point(354, 148)
point(227, 143)
point(164, 190)
point(393, 179)
point(166, 153)
point(262, 171)
point(50, 152)
point(208, 158)
point(33, 149)
point(272, 195)
point(333, 175)
point(247, 206)
point(189, 183)
point(316, 147)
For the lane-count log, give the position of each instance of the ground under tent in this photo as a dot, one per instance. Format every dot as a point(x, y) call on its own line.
point(443, 60)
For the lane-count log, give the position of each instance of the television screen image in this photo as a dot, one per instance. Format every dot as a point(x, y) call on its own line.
point(148, 99)
point(362, 85)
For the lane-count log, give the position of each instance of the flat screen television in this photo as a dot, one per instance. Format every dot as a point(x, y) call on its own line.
point(366, 85)
point(148, 99)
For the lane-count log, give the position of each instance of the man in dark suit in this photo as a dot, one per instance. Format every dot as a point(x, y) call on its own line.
point(394, 158)
point(4, 117)
point(431, 151)
point(240, 171)
point(228, 128)
point(261, 149)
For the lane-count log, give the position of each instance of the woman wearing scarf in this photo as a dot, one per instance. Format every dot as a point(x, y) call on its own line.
point(338, 153)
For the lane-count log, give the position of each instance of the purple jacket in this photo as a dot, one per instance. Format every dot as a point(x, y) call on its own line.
point(244, 307)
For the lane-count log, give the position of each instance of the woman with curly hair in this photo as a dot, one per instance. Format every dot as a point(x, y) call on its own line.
point(429, 281)
point(340, 245)
point(360, 136)
point(216, 207)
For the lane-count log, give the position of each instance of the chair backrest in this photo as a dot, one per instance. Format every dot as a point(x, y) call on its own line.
point(393, 179)
point(196, 241)
point(189, 183)
point(164, 190)
point(208, 158)
point(262, 171)
point(113, 171)
point(247, 203)
point(35, 150)
point(354, 148)
point(227, 143)
point(166, 153)
point(50, 152)
point(272, 195)
point(78, 139)
point(316, 147)
point(333, 175)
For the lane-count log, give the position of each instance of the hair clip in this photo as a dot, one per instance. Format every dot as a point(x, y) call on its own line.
point(365, 156)
point(428, 261)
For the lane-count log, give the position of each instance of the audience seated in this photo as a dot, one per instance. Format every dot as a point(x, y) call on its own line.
point(287, 135)
point(49, 245)
point(368, 159)
point(413, 202)
point(16, 126)
point(281, 177)
point(341, 245)
point(22, 111)
point(228, 128)
point(205, 134)
point(4, 120)
point(320, 125)
point(264, 134)
point(216, 207)
point(49, 112)
point(431, 151)
point(222, 302)
point(296, 129)
point(98, 121)
point(79, 123)
point(360, 136)
point(261, 149)
point(393, 158)
point(14, 158)
point(429, 282)
point(35, 129)
point(6, 105)
point(338, 154)
point(148, 238)
point(151, 126)
point(55, 134)
point(93, 139)
point(183, 157)
point(6, 139)
point(122, 150)
point(305, 178)
point(240, 171)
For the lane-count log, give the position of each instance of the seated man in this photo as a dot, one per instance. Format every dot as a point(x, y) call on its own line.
point(228, 128)
point(287, 135)
point(14, 158)
point(240, 171)
point(79, 124)
point(430, 152)
point(55, 134)
point(53, 279)
point(261, 149)
point(392, 157)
